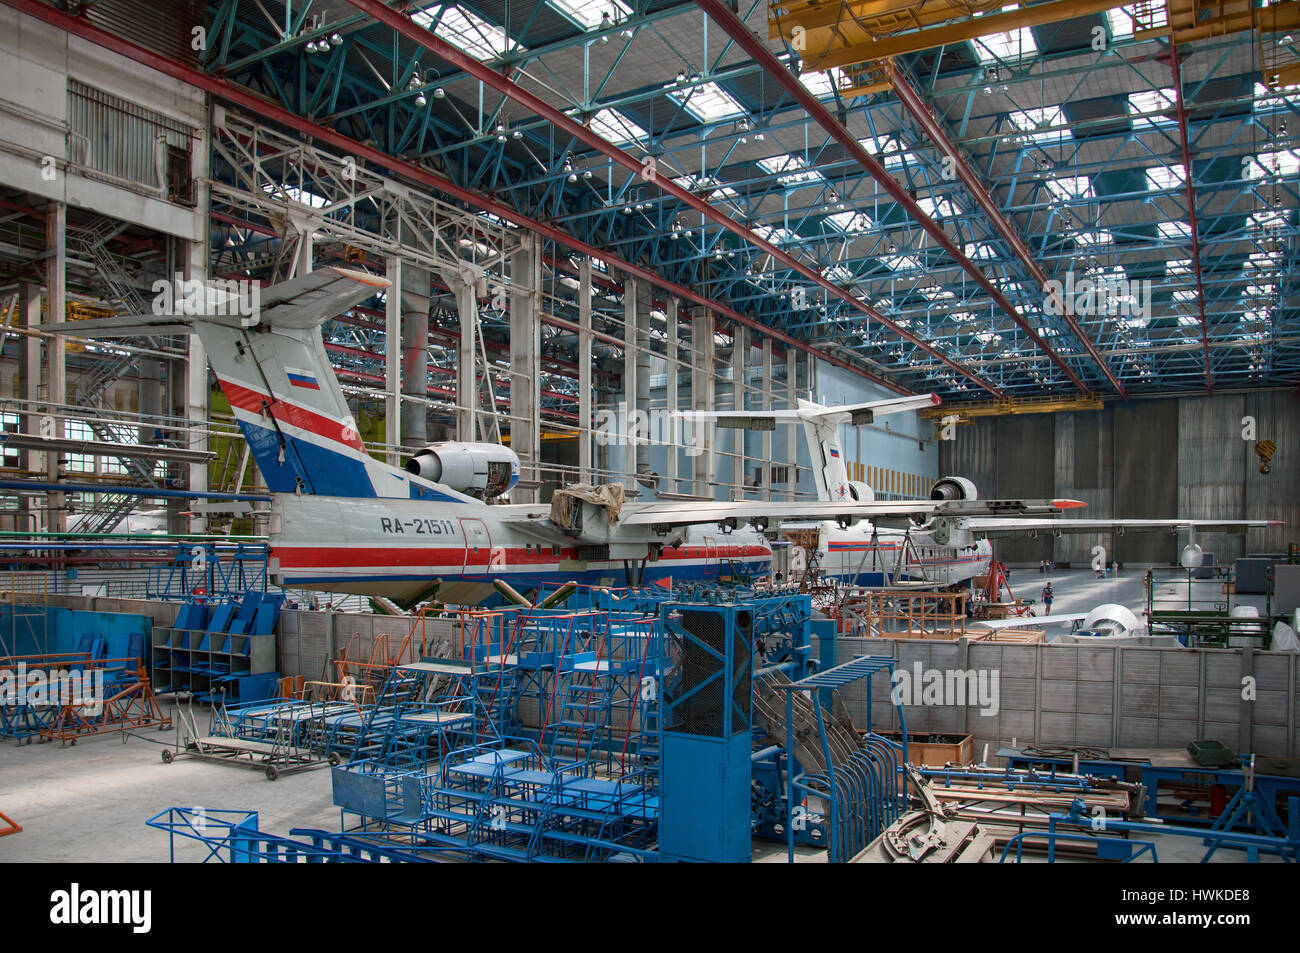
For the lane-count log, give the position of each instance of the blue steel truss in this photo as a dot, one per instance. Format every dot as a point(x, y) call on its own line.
point(1086, 175)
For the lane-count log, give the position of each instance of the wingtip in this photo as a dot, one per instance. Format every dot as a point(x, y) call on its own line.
point(1069, 504)
point(936, 400)
point(364, 277)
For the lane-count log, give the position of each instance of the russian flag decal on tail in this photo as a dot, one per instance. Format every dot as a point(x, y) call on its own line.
point(299, 378)
point(834, 452)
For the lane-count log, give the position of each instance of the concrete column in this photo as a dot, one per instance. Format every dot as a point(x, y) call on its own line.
point(393, 361)
point(766, 464)
point(673, 450)
point(466, 359)
point(414, 304)
point(584, 372)
point(702, 396)
point(190, 382)
point(30, 517)
point(525, 355)
point(56, 233)
point(791, 430)
point(739, 353)
point(631, 365)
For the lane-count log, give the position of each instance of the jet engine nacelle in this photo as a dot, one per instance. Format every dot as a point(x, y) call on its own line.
point(861, 493)
point(954, 488)
point(483, 470)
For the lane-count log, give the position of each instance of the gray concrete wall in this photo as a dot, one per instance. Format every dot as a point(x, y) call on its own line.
point(1182, 457)
point(1102, 696)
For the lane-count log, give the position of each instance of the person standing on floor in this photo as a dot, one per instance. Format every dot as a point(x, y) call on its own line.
point(1047, 598)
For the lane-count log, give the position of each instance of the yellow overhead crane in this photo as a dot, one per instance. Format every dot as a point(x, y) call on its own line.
point(967, 411)
point(862, 36)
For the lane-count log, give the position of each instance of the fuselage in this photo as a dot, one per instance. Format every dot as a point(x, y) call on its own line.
point(864, 555)
point(402, 550)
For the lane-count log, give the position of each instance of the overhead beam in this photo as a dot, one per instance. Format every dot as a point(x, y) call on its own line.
point(1177, 72)
point(273, 112)
point(737, 29)
point(646, 169)
point(922, 115)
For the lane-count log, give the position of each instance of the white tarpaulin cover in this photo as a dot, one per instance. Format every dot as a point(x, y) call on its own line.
point(608, 495)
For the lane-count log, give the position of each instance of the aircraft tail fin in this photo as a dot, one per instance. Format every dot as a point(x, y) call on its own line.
point(265, 348)
point(822, 428)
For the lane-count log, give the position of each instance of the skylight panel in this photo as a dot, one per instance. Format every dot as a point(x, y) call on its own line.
point(1006, 47)
point(1093, 239)
point(588, 13)
point(708, 185)
point(1185, 294)
point(840, 274)
point(1189, 320)
point(295, 194)
point(1178, 231)
point(774, 235)
point(1178, 266)
point(1285, 162)
point(1069, 187)
point(980, 251)
point(890, 151)
point(1042, 125)
point(468, 31)
point(940, 207)
point(613, 125)
point(789, 169)
point(709, 102)
point(1266, 220)
point(1126, 20)
point(851, 222)
point(902, 262)
point(1155, 107)
point(1162, 178)
point(822, 83)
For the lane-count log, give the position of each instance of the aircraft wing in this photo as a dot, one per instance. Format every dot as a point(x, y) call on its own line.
point(807, 410)
point(302, 302)
point(1030, 622)
point(999, 526)
point(688, 512)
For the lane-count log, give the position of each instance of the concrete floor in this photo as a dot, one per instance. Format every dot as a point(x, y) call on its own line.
point(88, 803)
point(1079, 590)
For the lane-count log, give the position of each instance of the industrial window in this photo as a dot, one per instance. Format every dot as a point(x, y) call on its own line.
point(1152, 108)
point(709, 102)
point(613, 125)
point(555, 550)
point(468, 31)
point(1013, 45)
point(10, 423)
point(822, 84)
point(587, 13)
point(1162, 178)
point(790, 169)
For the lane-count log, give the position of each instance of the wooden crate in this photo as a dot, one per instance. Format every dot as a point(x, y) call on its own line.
point(936, 748)
point(1023, 636)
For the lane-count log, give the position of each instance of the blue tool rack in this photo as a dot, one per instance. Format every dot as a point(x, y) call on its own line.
point(227, 649)
point(864, 792)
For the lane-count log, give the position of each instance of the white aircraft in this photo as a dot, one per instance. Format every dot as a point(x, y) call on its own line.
point(343, 521)
point(933, 550)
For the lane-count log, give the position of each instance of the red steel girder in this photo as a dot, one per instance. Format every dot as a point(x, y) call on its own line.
point(403, 24)
point(269, 111)
point(929, 123)
point(736, 28)
point(1175, 69)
